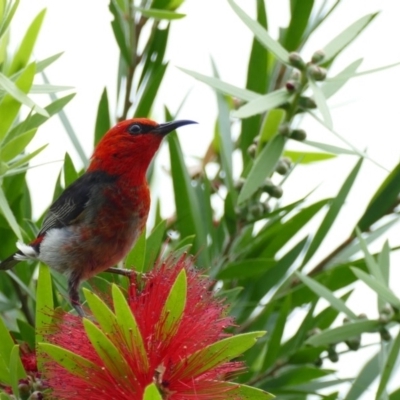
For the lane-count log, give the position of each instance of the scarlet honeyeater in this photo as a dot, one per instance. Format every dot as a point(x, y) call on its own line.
point(97, 219)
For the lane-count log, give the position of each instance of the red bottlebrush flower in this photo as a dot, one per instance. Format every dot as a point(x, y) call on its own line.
point(169, 333)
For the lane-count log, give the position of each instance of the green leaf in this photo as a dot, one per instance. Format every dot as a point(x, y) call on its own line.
point(159, 14)
point(189, 221)
point(8, 215)
point(27, 333)
point(384, 262)
point(270, 126)
point(321, 103)
point(300, 14)
point(44, 305)
point(343, 333)
point(136, 257)
point(70, 173)
point(174, 306)
point(275, 339)
point(381, 289)
point(23, 54)
point(262, 104)
point(334, 84)
point(325, 293)
point(248, 392)
point(113, 360)
point(153, 245)
point(372, 265)
point(383, 200)
point(24, 159)
point(334, 210)
point(248, 268)
point(16, 145)
point(6, 348)
point(127, 323)
point(10, 106)
point(8, 16)
point(104, 316)
point(72, 362)
point(42, 65)
point(103, 119)
point(261, 34)
point(388, 368)
point(12, 89)
point(218, 353)
point(151, 393)
point(120, 29)
point(45, 89)
point(223, 87)
point(263, 166)
point(364, 378)
point(17, 370)
point(329, 148)
point(336, 45)
point(307, 157)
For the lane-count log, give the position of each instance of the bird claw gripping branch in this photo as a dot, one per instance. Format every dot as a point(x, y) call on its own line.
point(96, 220)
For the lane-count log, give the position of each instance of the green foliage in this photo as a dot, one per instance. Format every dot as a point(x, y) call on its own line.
point(259, 249)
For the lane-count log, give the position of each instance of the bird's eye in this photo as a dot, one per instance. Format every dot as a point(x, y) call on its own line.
point(134, 129)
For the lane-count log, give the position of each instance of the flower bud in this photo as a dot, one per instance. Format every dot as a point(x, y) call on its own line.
point(282, 167)
point(332, 354)
point(296, 61)
point(292, 86)
point(256, 211)
point(307, 102)
point(298, 134)
point(362, 316)
point(266, 207)
point(276, 191)
point(318, 362)
point(385, 335)
point(316, 72)
point(36, 396)
point(354, 343)
point(318, 56)
point(387, 310)
point(24, 389)
point(252, 150)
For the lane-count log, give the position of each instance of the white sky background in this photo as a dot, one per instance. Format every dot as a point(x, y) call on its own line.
point(365, 112)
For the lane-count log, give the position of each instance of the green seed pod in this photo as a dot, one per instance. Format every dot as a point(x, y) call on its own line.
point(298, 134)
point(24, 389)
point(36, 396)
point(387, 310)
point(292, 86)
point(385, 335)
point(316, 72)
point(332, 354)
point(239, 183)
point(266, 207)
point(276, 192)
point(318, 56)
point(252, 150)
point(296, 61)
point(282, 167)
point(307, 102)
point(284, 130)
point(362, 316)
point(318, 362)
point(354, 343)
point(256, 211)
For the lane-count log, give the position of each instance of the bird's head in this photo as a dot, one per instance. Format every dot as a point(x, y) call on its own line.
point(131, 144)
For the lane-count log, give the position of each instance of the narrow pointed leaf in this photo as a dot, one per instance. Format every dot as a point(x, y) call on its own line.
point(8, 17)
point(261, 34)
point(45, 88)
point(151, 393)
point(384, 262)
point(330, 148)
point(6, 347)
point(381, 290)
point(334, 210)
point(307, 157)
point(127, 322)
point(23, 54)
point(321, 103)
point(17, 370)
point(218, 353)
point(388, 368)
point(325, 293)
point(153, 245)
point(103, 119)
point(223, 87)
point(111, 357)
point(270, 126)
point(175, 304)
point(15, 146)
point(344, 332)
point(103, 314)
point(262, 104)
point(44, 302)
point(43, 64)
point(72, 362)
point(248, 392)
point(136, 257)
point(24, 159)
point(263, 167)
point(8, 215)
point(336, 45)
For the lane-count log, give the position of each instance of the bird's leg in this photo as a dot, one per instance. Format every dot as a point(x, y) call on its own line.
point(73, 283)
point(121, 271)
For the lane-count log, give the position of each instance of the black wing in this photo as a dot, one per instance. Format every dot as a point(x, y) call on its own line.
point(74, 199)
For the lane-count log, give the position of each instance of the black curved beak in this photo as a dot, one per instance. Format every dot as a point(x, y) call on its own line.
point(164, 129)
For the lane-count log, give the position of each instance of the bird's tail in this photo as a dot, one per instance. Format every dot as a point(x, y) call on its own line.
point(9, 262)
